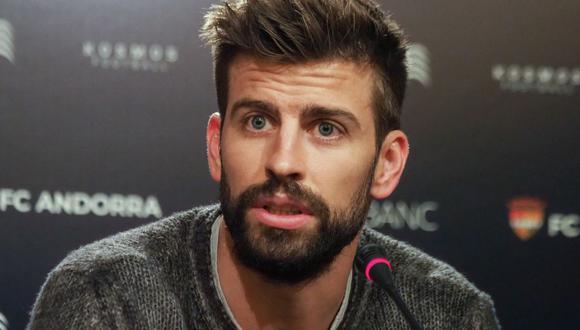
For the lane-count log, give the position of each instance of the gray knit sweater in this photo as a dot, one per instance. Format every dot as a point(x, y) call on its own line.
point(159, 277)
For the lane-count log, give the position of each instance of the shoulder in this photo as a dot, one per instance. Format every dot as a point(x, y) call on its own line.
point(411, 264)
point(433, 287)
point(146, 243)
point(117, 279)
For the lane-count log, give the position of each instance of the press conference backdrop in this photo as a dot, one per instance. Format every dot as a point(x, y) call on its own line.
point(103, 107)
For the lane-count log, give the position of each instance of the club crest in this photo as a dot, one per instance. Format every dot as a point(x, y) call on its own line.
point(526, 216)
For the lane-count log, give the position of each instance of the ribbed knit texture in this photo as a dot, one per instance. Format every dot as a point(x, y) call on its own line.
point(159, 277)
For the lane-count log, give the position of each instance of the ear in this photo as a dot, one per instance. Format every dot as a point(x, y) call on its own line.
point(390, 164)
point(213, 146)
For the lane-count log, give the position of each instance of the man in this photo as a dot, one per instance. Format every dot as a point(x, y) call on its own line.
point(309, 94)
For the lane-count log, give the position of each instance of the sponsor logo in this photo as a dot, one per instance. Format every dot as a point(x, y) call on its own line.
point(7, 40)
point(400, 215)
point(419, 64)
point(130, 56)
point(3, 322)
point(536, 79)
point(80, 203)
point(527, 214)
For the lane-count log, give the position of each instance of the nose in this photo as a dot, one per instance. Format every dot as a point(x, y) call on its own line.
point(286, 158)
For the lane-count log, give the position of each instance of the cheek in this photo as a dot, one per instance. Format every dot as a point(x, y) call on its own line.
point(241, 165)
point(339, 179)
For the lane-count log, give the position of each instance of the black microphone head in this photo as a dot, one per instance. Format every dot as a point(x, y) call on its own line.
point(372, 258)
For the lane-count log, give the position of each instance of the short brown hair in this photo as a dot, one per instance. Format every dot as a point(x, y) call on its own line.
point(295, 31)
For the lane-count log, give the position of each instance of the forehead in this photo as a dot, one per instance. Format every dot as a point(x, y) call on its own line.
point(331, 83)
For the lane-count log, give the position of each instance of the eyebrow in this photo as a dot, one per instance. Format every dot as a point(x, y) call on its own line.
point(255, 104)
point(310, 111)
point(317, 111)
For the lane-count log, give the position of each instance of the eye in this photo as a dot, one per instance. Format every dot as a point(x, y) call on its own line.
point(326, 129)
point(258, 122)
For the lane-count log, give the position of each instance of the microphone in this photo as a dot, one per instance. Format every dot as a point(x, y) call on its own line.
point(371, 260)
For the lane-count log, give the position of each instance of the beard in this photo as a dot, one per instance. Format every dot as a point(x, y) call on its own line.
point(292, 256)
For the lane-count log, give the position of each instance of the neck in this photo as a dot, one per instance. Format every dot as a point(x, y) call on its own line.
point(259, 304)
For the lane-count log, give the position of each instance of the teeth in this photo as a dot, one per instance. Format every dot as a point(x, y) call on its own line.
point(282, 210)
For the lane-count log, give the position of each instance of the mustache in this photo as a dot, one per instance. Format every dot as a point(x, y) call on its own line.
point(315, 203)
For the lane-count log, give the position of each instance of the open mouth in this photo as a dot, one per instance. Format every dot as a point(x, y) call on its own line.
point(282, 205)
point(281, 211)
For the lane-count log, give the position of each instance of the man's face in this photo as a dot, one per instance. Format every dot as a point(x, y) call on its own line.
point(297, 160)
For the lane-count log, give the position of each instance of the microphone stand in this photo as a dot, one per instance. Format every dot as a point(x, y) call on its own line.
point(371, 260)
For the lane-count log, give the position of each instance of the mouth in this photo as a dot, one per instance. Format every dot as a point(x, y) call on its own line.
point(284, 206)
point(281, 211)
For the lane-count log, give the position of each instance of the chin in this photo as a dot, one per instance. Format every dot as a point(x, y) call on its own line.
point(281, 242)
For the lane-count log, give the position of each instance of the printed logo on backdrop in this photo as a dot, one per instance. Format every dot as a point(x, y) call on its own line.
point(79, 203)
point(6, 41)
point(3, 322)
point(527, 214)
point(130, 56)
point(536, 79)
point(419, 64)
point(402, 215)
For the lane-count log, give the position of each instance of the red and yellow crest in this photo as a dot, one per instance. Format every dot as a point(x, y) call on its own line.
point(526, 216)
